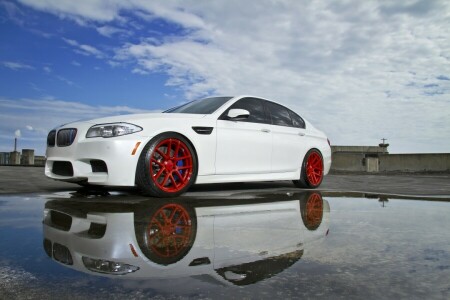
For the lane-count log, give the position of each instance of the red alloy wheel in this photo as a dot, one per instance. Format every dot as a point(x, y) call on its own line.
point(169, 232)
point(314, 211)
point(314, 168)
point(171, 165)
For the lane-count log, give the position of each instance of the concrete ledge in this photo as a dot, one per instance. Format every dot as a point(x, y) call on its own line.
point(436, 162)
point(387, 163)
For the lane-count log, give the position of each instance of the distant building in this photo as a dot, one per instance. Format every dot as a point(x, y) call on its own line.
point(39, 161)
point(374, 159)
point(357, 158)
point(4, 158)
point(26, 158)
point(14, 158)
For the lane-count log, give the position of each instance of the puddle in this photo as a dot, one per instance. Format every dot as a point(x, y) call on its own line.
point(249, 245)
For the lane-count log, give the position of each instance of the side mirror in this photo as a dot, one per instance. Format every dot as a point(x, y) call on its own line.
point(237, 114)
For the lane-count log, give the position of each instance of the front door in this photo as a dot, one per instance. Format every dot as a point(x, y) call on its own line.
point(244, 147)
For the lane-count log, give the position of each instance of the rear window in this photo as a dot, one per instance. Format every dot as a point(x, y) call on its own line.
point(297, 121)
point(279, 114)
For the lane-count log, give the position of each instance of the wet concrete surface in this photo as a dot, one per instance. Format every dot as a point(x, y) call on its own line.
point(15, 180)
point(368, 237)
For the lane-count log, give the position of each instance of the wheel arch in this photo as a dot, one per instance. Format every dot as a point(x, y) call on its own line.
point(314, 148)
point(303, 181)
point(307, 152)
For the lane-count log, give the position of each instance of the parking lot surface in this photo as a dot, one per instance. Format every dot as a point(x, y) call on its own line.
point(15, 180)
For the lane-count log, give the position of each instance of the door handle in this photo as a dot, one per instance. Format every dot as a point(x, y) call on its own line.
point(265, 130)
point(301, 134)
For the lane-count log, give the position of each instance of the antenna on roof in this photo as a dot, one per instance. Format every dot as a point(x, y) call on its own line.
point(383, 144)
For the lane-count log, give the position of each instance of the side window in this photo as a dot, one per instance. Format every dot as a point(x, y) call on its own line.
point(297, 121)
point(280, 114)
point(254, 106)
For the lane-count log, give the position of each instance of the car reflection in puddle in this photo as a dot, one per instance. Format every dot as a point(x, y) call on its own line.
point(239, 243)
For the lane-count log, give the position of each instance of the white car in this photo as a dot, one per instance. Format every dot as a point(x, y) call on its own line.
point(240, 241)
point(212, 140)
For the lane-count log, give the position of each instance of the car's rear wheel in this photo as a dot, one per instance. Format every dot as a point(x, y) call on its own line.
point(311, 174)
point(311, 210)
point(167, 166)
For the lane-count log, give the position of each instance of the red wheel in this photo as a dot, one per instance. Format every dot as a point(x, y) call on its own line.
point(312, 211)
point(171, 165)
point(312, 170)
point(167, 167)
point(165, 232)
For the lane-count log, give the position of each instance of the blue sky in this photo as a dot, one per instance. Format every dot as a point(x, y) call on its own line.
point(358, 70)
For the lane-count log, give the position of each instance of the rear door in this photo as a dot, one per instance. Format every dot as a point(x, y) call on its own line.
point(289, 141)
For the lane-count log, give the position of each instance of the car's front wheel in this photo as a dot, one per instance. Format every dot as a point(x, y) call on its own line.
point(311, 174)
point(167, 166)
point(165, 231)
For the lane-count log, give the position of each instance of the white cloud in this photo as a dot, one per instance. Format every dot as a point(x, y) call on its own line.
point(47, 69)
point(65, 80)
point(97, 10)
point(139, 71)
point(15, 66)
point(109, 31)
point(17, 133)
point(13, 11)
point(359, 70)
point(75, 63)
point(109, 10)
point(84, 49)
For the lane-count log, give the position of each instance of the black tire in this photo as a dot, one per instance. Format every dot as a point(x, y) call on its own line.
point(304, 181)
point(144, 178)
point(156, 240)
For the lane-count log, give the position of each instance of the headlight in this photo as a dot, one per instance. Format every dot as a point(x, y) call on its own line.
point(108, 267)
point(111, 130)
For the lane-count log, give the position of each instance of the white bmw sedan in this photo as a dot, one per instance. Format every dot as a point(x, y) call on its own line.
point(212, 140)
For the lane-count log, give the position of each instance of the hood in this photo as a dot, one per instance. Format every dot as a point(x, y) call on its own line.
point(135, 118)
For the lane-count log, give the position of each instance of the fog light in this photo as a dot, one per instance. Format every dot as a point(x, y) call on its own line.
point(108, 267)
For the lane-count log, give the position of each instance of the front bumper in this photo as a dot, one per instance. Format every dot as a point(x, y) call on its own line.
point(78, 242)
point(97, 161)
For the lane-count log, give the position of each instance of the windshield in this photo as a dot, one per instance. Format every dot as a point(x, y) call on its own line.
point(202, 106)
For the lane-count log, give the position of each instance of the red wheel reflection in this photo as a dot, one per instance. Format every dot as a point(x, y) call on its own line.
point(169, 233)
point(312, 211)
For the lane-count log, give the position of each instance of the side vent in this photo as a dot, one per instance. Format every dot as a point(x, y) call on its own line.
point(62, 168)
point(60, 220)
point(97, 231)
point(203, 130)
point(98, 166)
point(62, 254)
point(200, 261)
